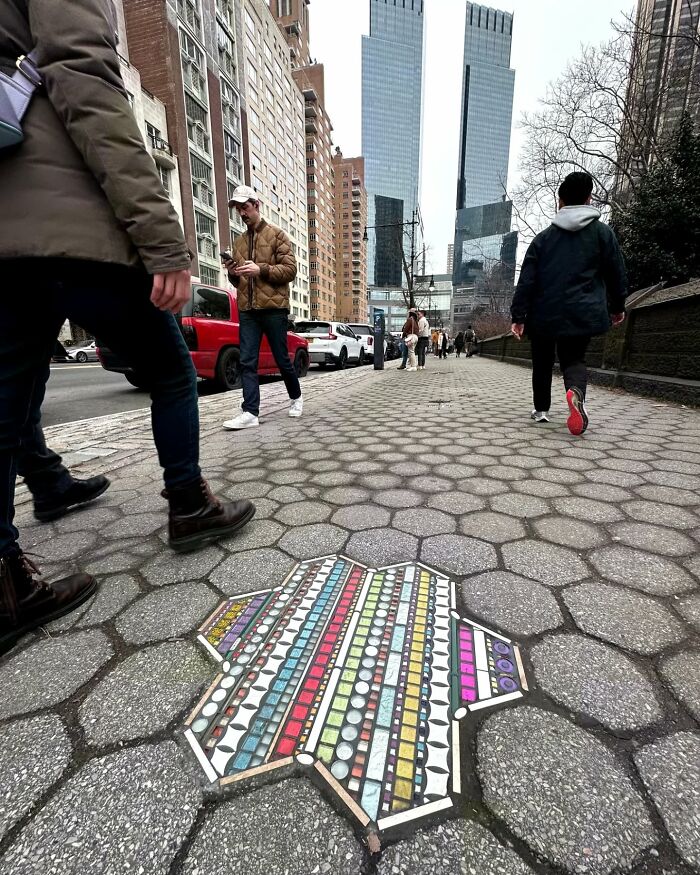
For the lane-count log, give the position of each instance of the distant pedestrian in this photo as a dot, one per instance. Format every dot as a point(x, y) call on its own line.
point(409, 333)
point(572, 286)
point(90, 227)
point(435, 336)
point(444, 341)
point(459, 343)
point(469, 341)
point(423, 338)
point(261, 267)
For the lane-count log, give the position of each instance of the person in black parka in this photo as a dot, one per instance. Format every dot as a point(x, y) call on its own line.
point(572, 286)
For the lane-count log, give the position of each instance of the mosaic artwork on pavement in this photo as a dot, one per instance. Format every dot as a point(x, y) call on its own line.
point(362, 675)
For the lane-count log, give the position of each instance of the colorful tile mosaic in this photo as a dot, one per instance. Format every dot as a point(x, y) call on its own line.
point(362, 674)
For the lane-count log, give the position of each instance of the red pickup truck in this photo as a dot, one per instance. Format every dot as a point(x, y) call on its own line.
point(209, 324)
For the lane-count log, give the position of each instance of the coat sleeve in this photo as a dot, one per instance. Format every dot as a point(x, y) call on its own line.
point(75, 45)
point(527, 286)
point(614, 273)
point(285, 269)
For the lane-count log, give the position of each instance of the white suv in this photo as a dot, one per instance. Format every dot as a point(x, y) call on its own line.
point(331, 343)
point(366, 334)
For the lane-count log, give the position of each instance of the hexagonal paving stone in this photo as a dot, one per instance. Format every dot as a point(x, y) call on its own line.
point(457, 554)
point(357, 517)
point(483, 486)
point(69, 546)
point(595, 680)
point(251, 570)
point(644, 571)
point(454, 848)
point(144, 693)
point(113, 595)
point(668, 495)
point(254, 489)
point(167, 613)
point(141, 524)
point(493, 527)
point(588, 510)
point(682, 672)
point(541, 488)
point(622, 617)
point(670, 769)
point(397, 498)
point(125, 812)
point(548, 563)
point(345, 495)
point(656, 539)
point(334, 478)
point(286, 494)
point(690, 609)
point(178, 567)
point(303, 512)
point(33, 754)
point(569, 532)
point(258, 533)
point(456, 502)
point(514, 504)
point(381, 481)
point(513, 604)
point(309, 542)
point(380, 547)
point(50, 671)
point(422, 522)
point(274, 831)
point(601, 492)
point(562, 791)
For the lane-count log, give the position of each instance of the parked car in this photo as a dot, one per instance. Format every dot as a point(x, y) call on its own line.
point(209, 324)
point(393, 347)
point(86, 352)
point(332, 343)
point(366, 334)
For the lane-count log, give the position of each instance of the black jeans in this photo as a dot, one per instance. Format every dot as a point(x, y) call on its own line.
point(571, 352)
point(112, 303)
point(273, 324)
point(421, 349)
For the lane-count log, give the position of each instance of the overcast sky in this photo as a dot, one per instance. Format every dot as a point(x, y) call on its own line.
point(546, 34)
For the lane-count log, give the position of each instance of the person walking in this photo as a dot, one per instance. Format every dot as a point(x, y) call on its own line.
point(469, 341)
point(435, 337)
point(409, 332)
point(423, 338)
point(86, 221)
point(572, 287)
point(261, 267)
point(443, 345)
point(459, 343)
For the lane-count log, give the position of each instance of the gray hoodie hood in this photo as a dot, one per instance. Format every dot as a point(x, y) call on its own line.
point(575, 218)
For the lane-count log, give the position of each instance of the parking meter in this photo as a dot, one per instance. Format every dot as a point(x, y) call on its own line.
point(379, 331)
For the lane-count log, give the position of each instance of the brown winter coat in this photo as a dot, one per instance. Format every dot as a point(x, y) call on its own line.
point(410, 327)
point(271, 249)
point(82, 184)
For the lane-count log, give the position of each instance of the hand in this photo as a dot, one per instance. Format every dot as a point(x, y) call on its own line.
point(517, 329)
point(172, 290)
point(248, 268)
point(230, 264)
point(618, 319)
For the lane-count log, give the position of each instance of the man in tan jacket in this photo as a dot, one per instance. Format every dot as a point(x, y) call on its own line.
point(261, 267)
point(87, 232)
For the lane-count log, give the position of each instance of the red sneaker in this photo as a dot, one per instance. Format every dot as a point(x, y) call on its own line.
point(578, 418)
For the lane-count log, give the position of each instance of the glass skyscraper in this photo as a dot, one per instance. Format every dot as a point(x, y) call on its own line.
point(392, 102)
point(484, 248)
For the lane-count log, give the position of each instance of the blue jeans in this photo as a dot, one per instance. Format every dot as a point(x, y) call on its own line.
point(273, 324)
point(404, 353)
point(112, 303)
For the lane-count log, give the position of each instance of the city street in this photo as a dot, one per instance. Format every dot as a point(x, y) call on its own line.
point(584, 551)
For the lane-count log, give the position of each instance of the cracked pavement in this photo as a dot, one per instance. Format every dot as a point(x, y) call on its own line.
point(586, 550)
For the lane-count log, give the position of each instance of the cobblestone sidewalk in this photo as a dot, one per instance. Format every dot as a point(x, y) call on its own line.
point(584, 550)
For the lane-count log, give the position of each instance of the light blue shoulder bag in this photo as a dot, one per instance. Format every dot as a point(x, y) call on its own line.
point(15, 94)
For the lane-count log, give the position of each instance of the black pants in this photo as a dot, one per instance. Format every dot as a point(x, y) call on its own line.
point(253, 325)
point(571, 352)
point(421, 349)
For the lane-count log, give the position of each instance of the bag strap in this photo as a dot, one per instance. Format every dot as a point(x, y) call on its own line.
point(23, 83)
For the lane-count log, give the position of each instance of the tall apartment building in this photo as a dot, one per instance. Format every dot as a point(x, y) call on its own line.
point(484, 244)
point(392, 105)
point(186, 52)
point(351, 254)
point(665, 74)
point(275, 148)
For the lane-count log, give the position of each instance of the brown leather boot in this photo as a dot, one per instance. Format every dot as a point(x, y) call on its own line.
point(26, 603)
point(196, 516)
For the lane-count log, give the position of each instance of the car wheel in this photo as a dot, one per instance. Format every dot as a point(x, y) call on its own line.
point(137, 382)
point(301, 363)
point(342, 362)
point(81, 357)
point(228, 369)
point(361, 359)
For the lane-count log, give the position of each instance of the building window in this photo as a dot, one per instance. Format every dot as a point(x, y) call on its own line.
point(201, 181)
point(284, 7)
point(197, 123)
point(188, 10)
point(164, 174)
point(224, 45)
point(250, 22)
point(209, 275)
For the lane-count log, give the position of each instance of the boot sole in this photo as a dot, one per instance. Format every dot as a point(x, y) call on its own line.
point(8, 641)
point(47, 516)
point(186, 545)
point(577, 422)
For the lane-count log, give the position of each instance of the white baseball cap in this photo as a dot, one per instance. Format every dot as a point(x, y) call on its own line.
point(242, 194)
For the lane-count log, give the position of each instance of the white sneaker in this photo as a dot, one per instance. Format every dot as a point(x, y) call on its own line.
point(243, 420)
point(411, 369)
point(540, 415)
point(296, 406)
